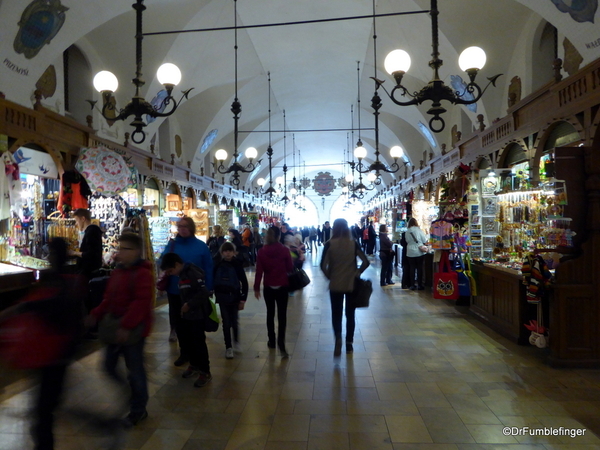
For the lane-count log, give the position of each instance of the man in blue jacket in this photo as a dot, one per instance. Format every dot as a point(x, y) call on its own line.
point(191, 250)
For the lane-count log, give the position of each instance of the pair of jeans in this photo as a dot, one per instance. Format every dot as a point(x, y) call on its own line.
point(385, 276)
point(193, 343)
point(48, 398)
point(229, 317)
point(277, 297)
point(136, 372)
point(415, 268)
point(337, 309)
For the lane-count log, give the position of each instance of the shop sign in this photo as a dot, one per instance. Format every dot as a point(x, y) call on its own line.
point(34, 162)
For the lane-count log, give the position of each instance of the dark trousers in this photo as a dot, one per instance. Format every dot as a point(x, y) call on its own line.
point(385, 276)
point(193, 343)
point(337, 309)
point(370, 246)
point(415, 267)
point(174, 310)
point(277, 297)
point(313, 243)
point(50, 390)
point(136, 373)
point(229, 317)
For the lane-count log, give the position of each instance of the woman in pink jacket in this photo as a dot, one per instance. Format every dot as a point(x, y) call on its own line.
point(275, 262)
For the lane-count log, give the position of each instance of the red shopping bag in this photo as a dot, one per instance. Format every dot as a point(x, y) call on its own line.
point(445, 282)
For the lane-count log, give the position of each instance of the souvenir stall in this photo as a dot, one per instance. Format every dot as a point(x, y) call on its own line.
point(521, 224)
point(151, 197)
point(107, 175)
point(35, 183)
point(200, 216)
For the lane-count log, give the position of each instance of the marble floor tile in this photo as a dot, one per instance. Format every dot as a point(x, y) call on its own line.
point(424, 376)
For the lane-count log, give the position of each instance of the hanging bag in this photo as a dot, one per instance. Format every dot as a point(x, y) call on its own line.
point(464, 285)
point(297, 279)
point(360, 296)
point(445, 282)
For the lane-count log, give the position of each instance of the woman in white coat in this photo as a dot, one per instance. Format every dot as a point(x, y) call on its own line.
point(415, 238)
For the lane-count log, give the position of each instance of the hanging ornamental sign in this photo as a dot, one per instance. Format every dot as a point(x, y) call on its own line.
point(324, 183)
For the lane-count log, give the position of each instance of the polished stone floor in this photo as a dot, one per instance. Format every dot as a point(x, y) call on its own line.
point(424, 376)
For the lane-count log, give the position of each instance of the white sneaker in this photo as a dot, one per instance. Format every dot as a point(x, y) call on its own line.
point(229, 353)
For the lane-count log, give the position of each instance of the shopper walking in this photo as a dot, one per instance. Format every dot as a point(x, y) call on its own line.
point(231, 290)
point(326, 232)
point(128, 296)
point(386, 256)
point(54, 303)
point(192, 250)
point(372, 239)
point(274, 262)
point(195, 306)
point(338, 263)
point(312, 238)
point(415, 238)
point(216, 239)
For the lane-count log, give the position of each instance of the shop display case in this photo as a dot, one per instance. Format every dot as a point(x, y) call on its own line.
point(160, 233)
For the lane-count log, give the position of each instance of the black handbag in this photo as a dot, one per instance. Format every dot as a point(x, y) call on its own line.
point(297, 279)
point(360, 296)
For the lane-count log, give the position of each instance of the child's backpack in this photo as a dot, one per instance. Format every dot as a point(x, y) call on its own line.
point(226, 282)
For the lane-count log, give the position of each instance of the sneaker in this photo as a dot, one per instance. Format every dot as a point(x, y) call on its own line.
point(229, 353)
point(349, 347)
point(271, 344)
point(203, 379)
point(133, 419)
point(390, 283)
point(181, 361)
point(189, 372)
point(173, 336)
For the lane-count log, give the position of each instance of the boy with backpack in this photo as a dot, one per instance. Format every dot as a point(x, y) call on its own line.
point(231, 290)
point(195, 308)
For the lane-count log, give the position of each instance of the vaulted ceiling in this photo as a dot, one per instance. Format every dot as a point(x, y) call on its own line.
point(313, 68)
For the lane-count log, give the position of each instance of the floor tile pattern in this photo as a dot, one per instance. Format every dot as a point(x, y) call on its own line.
point(424, 375)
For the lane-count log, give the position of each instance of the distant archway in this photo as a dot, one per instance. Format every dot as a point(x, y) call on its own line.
point(298, 218)
point(351, 211)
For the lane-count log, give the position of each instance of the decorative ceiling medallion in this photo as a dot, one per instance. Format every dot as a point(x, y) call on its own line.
point(324, 183)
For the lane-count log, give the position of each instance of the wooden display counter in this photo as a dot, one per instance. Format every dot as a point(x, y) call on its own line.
point(500, 302)
point(13, 283)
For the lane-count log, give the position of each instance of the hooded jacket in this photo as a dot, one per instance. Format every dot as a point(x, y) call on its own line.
point(275, 262)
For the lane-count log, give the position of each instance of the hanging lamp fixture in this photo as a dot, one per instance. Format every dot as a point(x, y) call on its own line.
point(261, 181)
point(285, 199)
point(471, 60)
point(236, 108)
point(107, 83)
point(360, 152)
